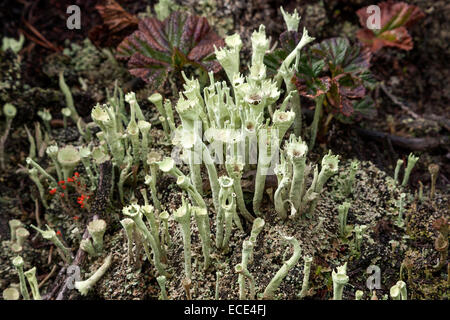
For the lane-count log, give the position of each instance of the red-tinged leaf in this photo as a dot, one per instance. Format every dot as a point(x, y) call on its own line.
point(333, 96)
point(152, 28)
point(312, 88)
point(343, 98)
point(393, 15)
point(206, 47)
point(125, 49)
point(398, 38)
point(150, 70)
point(171, 44)
point(362, 109)
point(346, 106)
point(395, 18)
point(198, 39)
point(213, 66)
point(338, 100)
point(353, 93)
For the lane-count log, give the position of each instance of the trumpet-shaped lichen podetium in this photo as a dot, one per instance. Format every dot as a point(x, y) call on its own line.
point(69, 158)
point(18, 264)
point(225, 214)
point(14, 224)
point(234, 169)
point(97, 229)
point(86, 155)
point(330, 166)
point(10, 112)
point(108, 120)
point(399, 291)
point(340, 279)
point(342, 217)
point(291, 19)
point(128, 225)
point(11, 294)
point(52, 152)
point(411, 163)
point(134, 212)
point(32, 281)
point(296, 152)
point(21, 235)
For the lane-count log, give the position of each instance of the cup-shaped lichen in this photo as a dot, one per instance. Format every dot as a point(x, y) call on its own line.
point(11, 294)
point(21, 235)
point(97, 229)
point(18, 263)
point(32, 281)
point(14, 224)
point(69, 158)
point(340, 279)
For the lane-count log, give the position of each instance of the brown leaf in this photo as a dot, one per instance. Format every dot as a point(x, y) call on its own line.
point(117, 24)
point(115, 17)
point(399, 38)
point(323, 86)
point(394, 19)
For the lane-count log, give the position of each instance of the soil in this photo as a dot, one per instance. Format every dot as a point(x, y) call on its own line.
point(418, 78)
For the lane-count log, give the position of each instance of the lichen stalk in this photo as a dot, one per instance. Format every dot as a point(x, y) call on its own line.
point(202, 220)
point(183, 216)
point(162, 285)
point(234, 170)
point(306, 271)
point(14, 224)
point(84, 286)
point(128, 226)
point(316, 120)
point(342, 217)
point(340, 279)
point(133, 211)
point(32, 281)
point(273, 285)
point(434, 170)
point(97, 229)
point(398, 166)
point(50, 234)
point(411, 163)
point(18, 264)
point(244, 274)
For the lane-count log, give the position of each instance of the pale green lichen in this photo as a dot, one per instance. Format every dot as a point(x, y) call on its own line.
point(340, 279)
